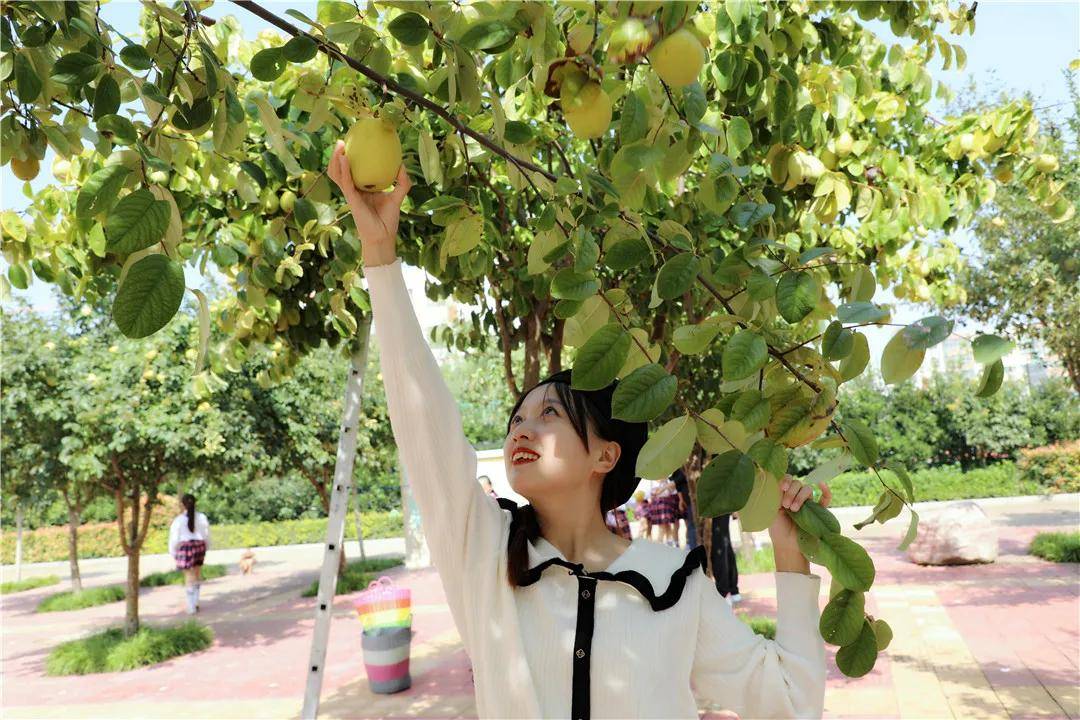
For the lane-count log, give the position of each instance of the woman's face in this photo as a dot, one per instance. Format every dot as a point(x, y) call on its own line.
point(543, 426)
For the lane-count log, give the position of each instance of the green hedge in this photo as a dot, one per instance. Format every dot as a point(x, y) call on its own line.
point(1057, 547)
point(1054, 467)
point(102, 539)
point(941, 483)
point(110, 651)
point(91, 597)
point(28, 584)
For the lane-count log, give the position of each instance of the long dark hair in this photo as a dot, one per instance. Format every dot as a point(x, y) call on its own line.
point(619, 483)
point(188, 501)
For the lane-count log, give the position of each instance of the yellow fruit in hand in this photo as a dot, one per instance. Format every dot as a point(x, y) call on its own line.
point(588, 113)
point(25, 169)
point(678, 58)
point(1044, 163)
point(374, 153)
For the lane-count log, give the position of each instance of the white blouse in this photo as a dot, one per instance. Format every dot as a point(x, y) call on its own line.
point(179, 532)
point(641, 639)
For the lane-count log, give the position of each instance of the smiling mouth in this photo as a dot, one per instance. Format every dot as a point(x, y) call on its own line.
point(525, 461)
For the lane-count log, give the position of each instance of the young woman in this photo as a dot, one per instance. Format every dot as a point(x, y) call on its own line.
point(189, 539)
point(560, 616)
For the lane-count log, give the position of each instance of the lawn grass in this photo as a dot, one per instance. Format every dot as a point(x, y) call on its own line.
point(28, 584)
point(1057, 546)
point(761, 562)
point(358, 574)
point(89, 597)
point(110, 651)
point(176, 577)
point(761, 625)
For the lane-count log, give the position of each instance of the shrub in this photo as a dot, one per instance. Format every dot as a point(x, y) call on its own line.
point(27, 584)
point(110, 651)
point(1057, 547)
point(357, 576)
point(176, 577)
point(78, 600)
point(761, 625)
point(101, 539)
point(941, 483)
point(762, 561)
point(1053, 467)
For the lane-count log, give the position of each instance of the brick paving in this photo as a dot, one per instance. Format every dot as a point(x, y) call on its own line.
point(987, 641)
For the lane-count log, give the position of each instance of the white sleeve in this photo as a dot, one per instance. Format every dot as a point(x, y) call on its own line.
point(752, 675)
point(174, 535)
point(204, 529)
point(464, 526)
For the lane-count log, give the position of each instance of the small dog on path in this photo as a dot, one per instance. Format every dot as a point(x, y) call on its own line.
point(247, 562)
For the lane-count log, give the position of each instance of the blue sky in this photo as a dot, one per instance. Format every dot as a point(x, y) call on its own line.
point(1017, 47)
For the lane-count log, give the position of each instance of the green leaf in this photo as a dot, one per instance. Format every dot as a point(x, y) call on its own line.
point(748, 214)
point(27, 83)
point(195, 116)
point(598, 361)
point(487, 35)
point(856, 361)
point(990, 348)
point(300, 49)
point(100, 191)
point(518, 132)
point(677, 275)
point(860, 312)
point(634, 120)
point(796, 295)
point(667, 449)
point(409, 28)
point(744, 354)
point(718, 435)
point(694, 102)
point(18, 276)
point(626, 254)
point(899, 361)
point(927, 332)
point(464, 234)
point(760, 285)
point(119, 129)
point(643, 394)
point(842, 619)
point(770, 457)
point(570, 285)
point(136, 57)
point(751, 408)
point(991, 379)
point(138, 221)
point(861, 441)
point(847, 561)
point(814, 253)
point(268, 64)
point(76, 69)
point(858, 658)
point(106, 97)
point(882, 633)
point(837, 342)
point(725, 484)
point(149, 297)
point(739, 136)
point(815, 520)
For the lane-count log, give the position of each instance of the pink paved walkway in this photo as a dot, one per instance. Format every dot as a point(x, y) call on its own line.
point(993, 641)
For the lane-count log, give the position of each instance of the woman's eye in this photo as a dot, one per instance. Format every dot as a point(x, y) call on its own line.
point(551, 409)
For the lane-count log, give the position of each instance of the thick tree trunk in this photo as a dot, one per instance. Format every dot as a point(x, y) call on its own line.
point(18, 542)
point(73, 546)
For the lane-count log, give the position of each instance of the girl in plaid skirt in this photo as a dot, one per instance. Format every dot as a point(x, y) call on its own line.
point(189, 538)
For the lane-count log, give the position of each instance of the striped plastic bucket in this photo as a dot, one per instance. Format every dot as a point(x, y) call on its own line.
point(386, 658)
point(401, 617)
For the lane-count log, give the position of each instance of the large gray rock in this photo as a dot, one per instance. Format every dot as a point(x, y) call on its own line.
point(958, 534)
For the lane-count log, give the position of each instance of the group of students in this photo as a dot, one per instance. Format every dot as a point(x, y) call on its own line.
point(663, 508)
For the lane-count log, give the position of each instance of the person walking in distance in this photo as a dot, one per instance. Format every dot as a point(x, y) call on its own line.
point(189, 539)
point(560, 616)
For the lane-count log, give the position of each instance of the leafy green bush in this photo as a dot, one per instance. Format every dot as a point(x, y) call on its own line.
point(101, 540)
point(357, 576)
point(761, 625)
point(176, 577)
point(761, 562)
point(941, 483)
point(27, 584)
point(78, 600)
point(1057, 547)
point(110, 651)
point(1054, 467)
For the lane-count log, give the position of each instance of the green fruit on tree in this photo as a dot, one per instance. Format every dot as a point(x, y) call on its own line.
point(288, 201)
point(1003, 173)
point(678, 58)
point(630, 40)
point(25, 169)
point(588, 112)
point(270, 204)
point(374, 153)
point(1045, 163)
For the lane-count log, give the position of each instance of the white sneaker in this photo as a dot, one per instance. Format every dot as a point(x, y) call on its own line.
point(727, 599)
point(736, 598)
